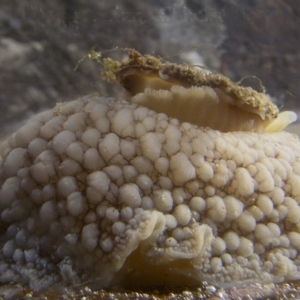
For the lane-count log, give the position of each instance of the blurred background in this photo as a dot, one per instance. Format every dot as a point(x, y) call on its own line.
point(41, 42)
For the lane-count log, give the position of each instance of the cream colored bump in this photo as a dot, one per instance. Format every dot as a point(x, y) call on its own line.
point(265, 204)
point(68, 108)
point(91, 137)
point(66, 186)
point(150, 99)
point(90, 217)
point(109, 146)
point(96, 110)
point(48, 212)
point(127, 149)
point(149, 123)
point(52, 127)
point(48, 192)
point(248, 160)
point(194, 186)
point(234, 207)
point(27, 133)
point(294, 238)
point(69, 167)
point(256, 212)
point(226, 258)
point(92, 161)
point(235, 154)
point(282, 211)
point(114, 172)
point(129, 195)
point(89, 236)
point(143, 165)
point(75, 151)
point(179, 195)
point(9, 248)
point(8, 191)
point(210, 190)
point(263, 234)
point(118, 228)
point(62, 140)
point(197, 159)
point(171, 147)
point(274, 229)
point(294, 181)
point(216, 209)
point(112, 214)
point(232, 166)
point(296, 167)
point(200, 146)
point(44, 116)
point(246, 222)
point(76, 204)
point(181, 168)
point(205, 172)
point(140, 113)
point(245, 248)
point(163, 200)
point(102, 124)
point(283, 119)
point(198, 204)
point(144, 182)
point(221, 145)
point(147, 203)
point(43, 169)
point(259, 249)
point(232, 241)
point(216, 264)
point(75, 122)
point(126, 213)
point(264, 178)
point(284, 266)
point(16, 159)
point(123, 123)
point(165, 183)
point(277, 196)
point(218, 246)
point(173, 134)
point(293, 213)
point(171, 222)
point(151, 146)
point(183, 214)
point(98, 185)
point(37, 146)
point(183, 196)
point(162, 165)
point(245, 183)
point(171, 242)
point(222, 174)
point(130, 173)
point(282, 169)
point(185, 147)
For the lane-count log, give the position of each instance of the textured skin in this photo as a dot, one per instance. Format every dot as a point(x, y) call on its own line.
point(98, 185)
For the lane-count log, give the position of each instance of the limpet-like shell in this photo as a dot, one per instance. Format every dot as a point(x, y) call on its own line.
point(198, 96)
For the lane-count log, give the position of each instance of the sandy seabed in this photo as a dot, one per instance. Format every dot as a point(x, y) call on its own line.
point(289, 290)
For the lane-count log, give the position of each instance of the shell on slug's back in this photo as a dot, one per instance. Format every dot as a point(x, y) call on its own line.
point(200, 97)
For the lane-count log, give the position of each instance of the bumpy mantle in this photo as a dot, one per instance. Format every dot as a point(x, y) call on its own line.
point(105, 191)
